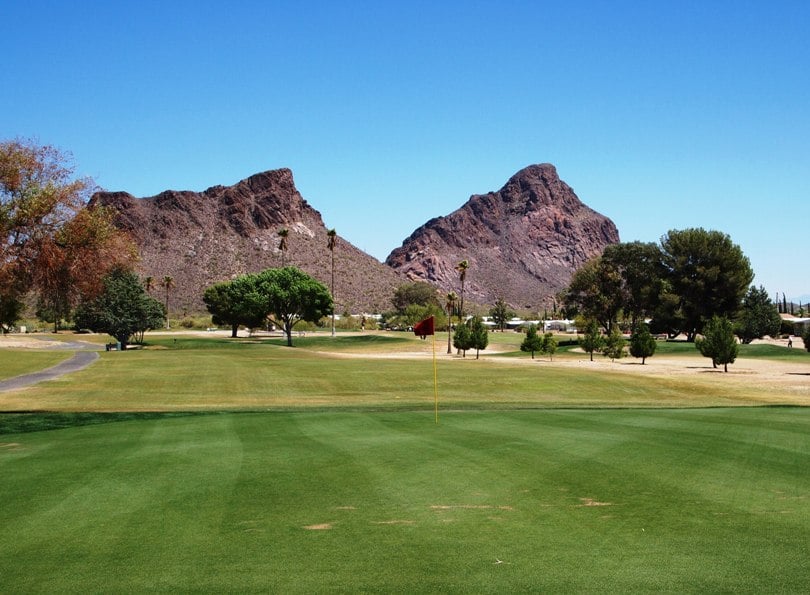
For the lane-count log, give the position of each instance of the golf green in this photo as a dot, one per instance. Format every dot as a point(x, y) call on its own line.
point(485, 501)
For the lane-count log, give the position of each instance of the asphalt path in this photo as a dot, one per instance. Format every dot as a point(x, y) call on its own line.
point(80, 360)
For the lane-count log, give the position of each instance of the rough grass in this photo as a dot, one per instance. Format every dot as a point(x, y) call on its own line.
point(205, 374)
point(14, 362)
point(709, 500)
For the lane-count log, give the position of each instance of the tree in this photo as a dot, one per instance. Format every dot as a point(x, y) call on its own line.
point(614, 345)
point(592, 339)
point(10, 311)
point(462, 339)
point(642, 343)
point(806, 338)
point(462, 276)
point(282, 244)
point(149, 284)
point(331, 242)
point(479, 336)
point(533, 342)
point(548, 345)
point(708, 272)
point(237, 302)
point(449, 305)
point(419, 292)
point(293, 296)
point(641, 276)
point(500, 313)
point(718, 342)
point(168, 284)
point(50, 240)
point(757, 317)
point(596, 291)
point(38, 196)
point(122, 309)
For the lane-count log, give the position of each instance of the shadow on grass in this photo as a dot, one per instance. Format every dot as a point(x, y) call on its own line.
point(30, 421)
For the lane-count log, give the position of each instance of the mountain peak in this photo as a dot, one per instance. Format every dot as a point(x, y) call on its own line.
point(523, 242)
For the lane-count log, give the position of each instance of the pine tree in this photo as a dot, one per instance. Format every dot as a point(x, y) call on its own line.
point(479, 336)
point(719, 342)
point(533, 342)
point(462, 339)
point(614, 345)
point(549, 345)
point(642, 343)
point(592, 340)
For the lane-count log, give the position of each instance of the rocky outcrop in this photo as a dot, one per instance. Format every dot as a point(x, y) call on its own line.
point(199, 238)
point(522, 242)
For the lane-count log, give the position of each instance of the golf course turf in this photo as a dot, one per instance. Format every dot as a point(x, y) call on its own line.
point(509, 494)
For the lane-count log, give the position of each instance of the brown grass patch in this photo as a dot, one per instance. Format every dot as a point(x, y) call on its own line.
point(319, 527)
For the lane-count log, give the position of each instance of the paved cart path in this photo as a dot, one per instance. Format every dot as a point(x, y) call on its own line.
point(80, 360)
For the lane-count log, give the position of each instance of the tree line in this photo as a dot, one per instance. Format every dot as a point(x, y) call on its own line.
point(679, 285)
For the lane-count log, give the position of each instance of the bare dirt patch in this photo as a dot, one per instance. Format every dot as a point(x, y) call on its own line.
point(469, 507)
point(319, 527)
point(592, 502)
point(394, 522)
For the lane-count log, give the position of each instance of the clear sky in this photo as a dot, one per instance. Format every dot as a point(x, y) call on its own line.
point(659, 114)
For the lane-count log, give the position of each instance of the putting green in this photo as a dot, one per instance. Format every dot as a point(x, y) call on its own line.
point(487, 501)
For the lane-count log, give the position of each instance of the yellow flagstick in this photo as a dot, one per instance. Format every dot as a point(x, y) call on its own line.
point(435, 381)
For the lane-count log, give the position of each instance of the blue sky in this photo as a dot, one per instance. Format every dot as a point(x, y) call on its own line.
point(660, 115)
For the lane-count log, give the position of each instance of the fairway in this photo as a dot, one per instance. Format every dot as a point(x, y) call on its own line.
point(205, 464)
point(557, 500)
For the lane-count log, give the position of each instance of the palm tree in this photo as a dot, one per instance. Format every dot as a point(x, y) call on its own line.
point(331, 241)
point(149, 284)
point(167, 283)
point(449, 305)
point(462, 275)
point(282, 245)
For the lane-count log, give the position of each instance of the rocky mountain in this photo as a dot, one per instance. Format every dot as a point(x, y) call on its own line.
point(199, 238)
point(522, 242)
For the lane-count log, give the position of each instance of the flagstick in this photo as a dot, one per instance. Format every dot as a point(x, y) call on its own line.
point(435, 382)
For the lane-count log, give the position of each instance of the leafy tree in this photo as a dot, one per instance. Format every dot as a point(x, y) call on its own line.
point(10, 311)
point(667, 317)
point(122, 309)
point(708, 273)
point(237, 302)
point(614, 345)
point(47, 313)
point(419, 292)
point(416, 312)
point(592, 339)
point(532, 342)
point(718, 342)
point(806, 338)
point(758, 316)
point(548, 345)
point(641, 276)
point(642, 343)
point(596, 291)
point(479, 336)
point(462, 339)
point(50, 240)
point(293, 296)
point(500, 313)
